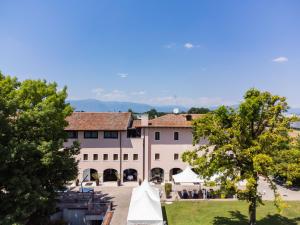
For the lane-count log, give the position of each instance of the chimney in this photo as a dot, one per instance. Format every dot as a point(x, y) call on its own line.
point(188, 117)
point(144, 120)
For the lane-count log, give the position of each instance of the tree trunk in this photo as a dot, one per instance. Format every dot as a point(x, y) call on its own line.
point(253, 204)
point(252, 212)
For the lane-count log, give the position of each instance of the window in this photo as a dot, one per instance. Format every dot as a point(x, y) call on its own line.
point(176, 136)
point(85, 157)
point(157, 136)
point(72, 134)
point(111, 134)
point(95, 157)
point(156, 156)
point(90, 134)
point(125, 157)
point(135, 156)
point(116, 156)
point(176, 156)
point(105, 157)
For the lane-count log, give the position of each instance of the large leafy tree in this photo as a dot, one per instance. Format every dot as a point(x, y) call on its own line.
point(288, 169)
point(247, 142)
point(33, 162)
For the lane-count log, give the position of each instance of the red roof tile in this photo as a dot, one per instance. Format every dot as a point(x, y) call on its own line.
point(136, 123)
point(98, 121)
point(173, 120)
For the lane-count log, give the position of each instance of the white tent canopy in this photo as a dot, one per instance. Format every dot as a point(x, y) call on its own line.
point(187, 176)
point(145, 207)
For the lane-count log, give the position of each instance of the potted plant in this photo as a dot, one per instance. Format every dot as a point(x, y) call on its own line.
point(96, 176)
point(168, 190)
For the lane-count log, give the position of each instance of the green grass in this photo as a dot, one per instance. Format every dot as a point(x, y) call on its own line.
point(228, 213)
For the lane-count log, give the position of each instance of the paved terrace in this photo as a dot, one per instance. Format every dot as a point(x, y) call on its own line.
point(121, 196)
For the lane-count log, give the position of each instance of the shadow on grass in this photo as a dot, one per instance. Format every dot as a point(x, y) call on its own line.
point(237, 218)
point(163, 209)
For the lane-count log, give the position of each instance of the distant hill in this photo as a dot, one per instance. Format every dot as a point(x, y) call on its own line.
point(93, 105)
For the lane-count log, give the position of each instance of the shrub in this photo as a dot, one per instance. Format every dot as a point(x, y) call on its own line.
point(210, 183)
point(168, 189)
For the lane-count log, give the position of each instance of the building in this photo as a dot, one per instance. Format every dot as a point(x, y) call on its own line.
point(115, 145)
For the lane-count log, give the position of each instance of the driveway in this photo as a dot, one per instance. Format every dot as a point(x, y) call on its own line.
point(121, 199)
point(286, 194)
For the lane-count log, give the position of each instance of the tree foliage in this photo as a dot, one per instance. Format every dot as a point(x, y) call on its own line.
point(33, 163)
point(247, 142)
point(288, 169)
point(153, 113)
point(201, 110)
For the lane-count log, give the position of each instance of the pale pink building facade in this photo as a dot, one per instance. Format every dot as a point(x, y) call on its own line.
point(116, 145)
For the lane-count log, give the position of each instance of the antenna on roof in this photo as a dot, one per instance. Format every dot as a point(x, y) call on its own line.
point(175, 110)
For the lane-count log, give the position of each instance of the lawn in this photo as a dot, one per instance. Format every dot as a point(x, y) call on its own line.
point(228, 213)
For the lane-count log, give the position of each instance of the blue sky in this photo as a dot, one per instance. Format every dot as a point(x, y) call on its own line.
point(200, 53)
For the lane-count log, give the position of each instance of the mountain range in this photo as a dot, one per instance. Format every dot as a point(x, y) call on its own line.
point(94, 105)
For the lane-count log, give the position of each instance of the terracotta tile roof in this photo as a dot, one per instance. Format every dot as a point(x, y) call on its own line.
point(98, 121)
point(136, 123)
point(173, 120)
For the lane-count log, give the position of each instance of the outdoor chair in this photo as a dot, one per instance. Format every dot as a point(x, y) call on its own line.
point(185, 194)
point(200, 194)
point(195, 194)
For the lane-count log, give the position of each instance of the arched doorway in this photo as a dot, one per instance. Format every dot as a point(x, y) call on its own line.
point(89, 174)
point(174, 171)
point(130, 175)
point(157, 175)
point(110, 175)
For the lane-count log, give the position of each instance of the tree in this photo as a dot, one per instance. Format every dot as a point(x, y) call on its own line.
point(33, 162)
point(246, 142)
point(152, 113)
point(201, 110)
point(288, 169)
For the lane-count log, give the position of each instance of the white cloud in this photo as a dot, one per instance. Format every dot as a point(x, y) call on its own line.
point(138, 93)
point(188, 45)
point(188, 102)
point(122, 75)
point(141, 96)
point(98, 91)
point(170, 45)
point(114, 95)
point(280, 59)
